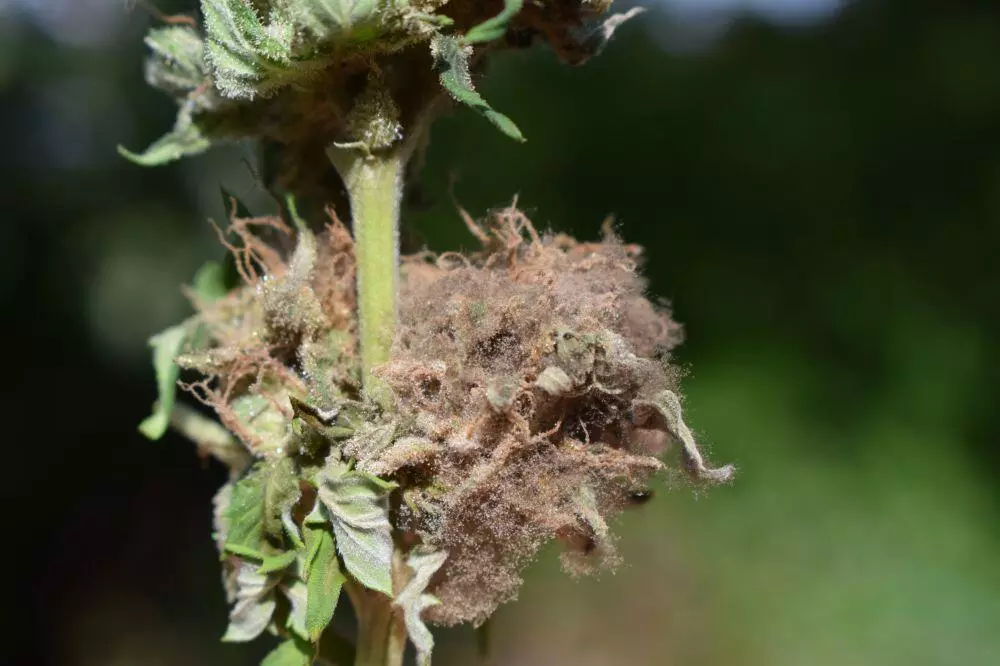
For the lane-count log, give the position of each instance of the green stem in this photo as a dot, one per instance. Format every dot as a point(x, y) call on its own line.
point(381, 631)
point(374, 184)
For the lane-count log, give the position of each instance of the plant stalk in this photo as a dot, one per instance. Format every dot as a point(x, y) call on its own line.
point(381, 631)
point(374, 185)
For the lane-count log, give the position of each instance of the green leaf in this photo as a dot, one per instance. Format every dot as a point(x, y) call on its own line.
point(323, 580)
point(264, 422)
point(279, 562)
point(177, 61)
point(424, 562)
point(298, 596)
point(170, 343)
point(358, 507)
point(255, 604)
point(339, 20)
point(210, 282)
point(211, 437)
point(451, 59)
point(166, 346)
point(291, 529)
point(250, 57)
point(220, 514)
point(258, 500)
point(183, 140)
point(289, 653)
point(496, 27)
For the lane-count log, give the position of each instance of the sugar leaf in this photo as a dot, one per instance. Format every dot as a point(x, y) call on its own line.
point(424, 562)
point(255, 604)
point(251, 57)
point(496, 27)
point(338, 20)
point(324, 580)
point(257, 503)
point(177, 61)
point(185, 139)
point(358, 507)
point(451, 59)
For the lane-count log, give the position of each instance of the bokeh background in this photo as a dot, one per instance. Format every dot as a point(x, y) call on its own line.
point(818, 188)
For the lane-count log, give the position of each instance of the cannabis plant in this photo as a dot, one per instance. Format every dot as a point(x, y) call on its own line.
point(407, 431)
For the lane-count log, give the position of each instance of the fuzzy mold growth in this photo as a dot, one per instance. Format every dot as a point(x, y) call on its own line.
point(409, 431)
point(531, 384)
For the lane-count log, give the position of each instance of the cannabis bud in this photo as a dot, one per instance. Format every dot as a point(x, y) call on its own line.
point(296, 71)
point(408, 431)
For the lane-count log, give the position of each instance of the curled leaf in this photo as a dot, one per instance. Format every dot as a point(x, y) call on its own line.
point(255, 604)
point(451, 59)
point(184, 140)
point(166, 346)
point(275, 563)
point(496, 27)
point(593, 37)
point(664, 413)
point(413, 599)
point(358, 508)
point(554, 381)
point(404, 452)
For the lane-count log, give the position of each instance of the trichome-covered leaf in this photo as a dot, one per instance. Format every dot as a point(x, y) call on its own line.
point(496, 27)
point(257, 504)
point(339, 20)
point(251, 57)
point(451, 59)
point(324, 580)
point(265, 425)
point(255, 604)
point(424, 562)
point(185, 139)
point(358, 507)
point(177, 62)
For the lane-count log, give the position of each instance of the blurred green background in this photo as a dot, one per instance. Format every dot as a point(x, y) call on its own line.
point(818, 190)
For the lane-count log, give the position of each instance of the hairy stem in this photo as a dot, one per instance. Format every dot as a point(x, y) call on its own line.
point(374, 185)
